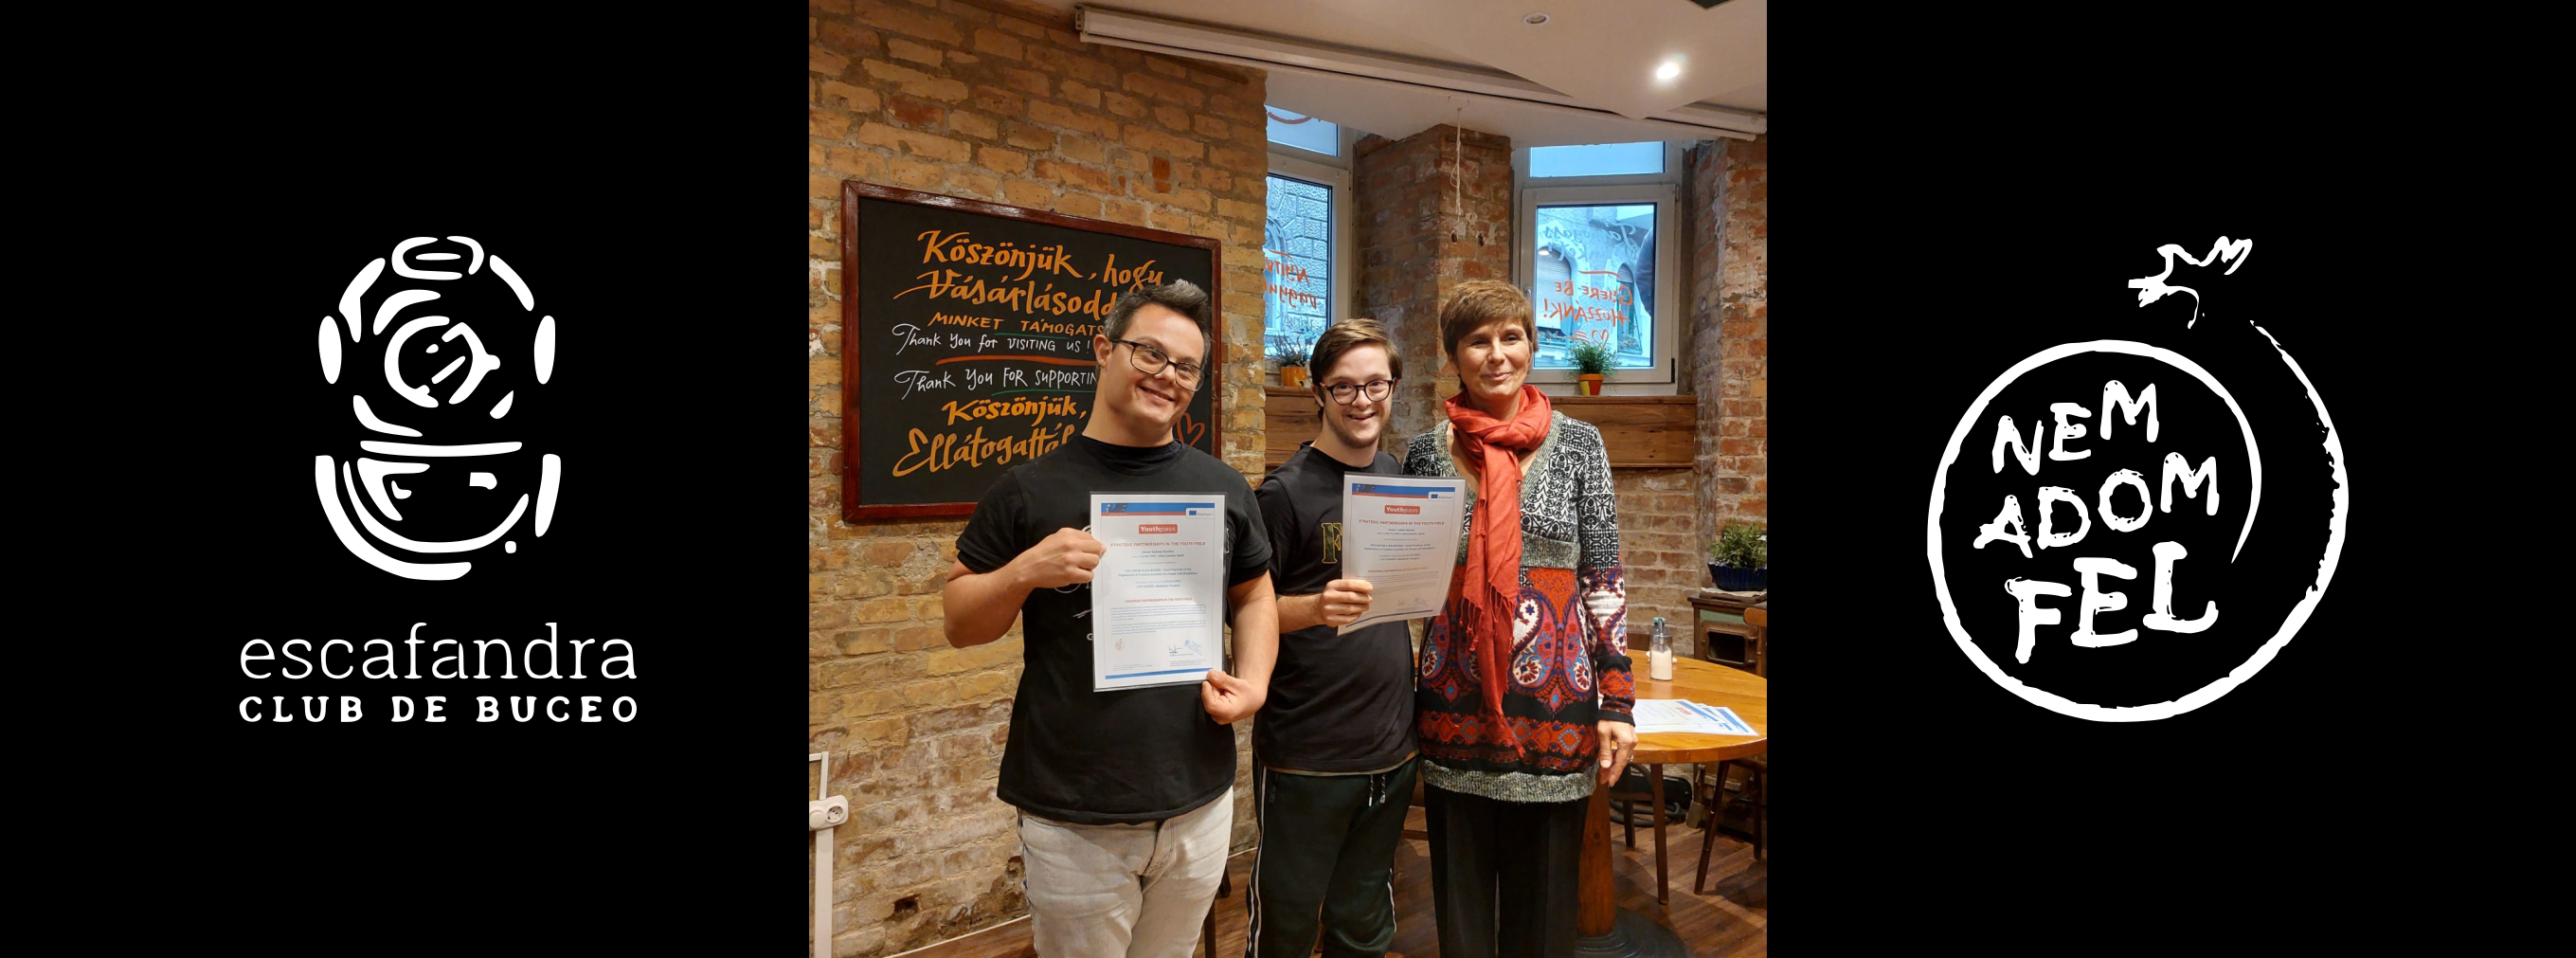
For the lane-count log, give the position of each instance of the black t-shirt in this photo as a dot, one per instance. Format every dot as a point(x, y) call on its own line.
point(1338, 703)
point(1099, 758)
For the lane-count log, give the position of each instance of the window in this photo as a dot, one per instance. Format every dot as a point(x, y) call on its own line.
point(1595, 257)
point(1590, 283)
point(1306, 247)
point(1599, 159)
point(1305, 132)
point(1306, 232)
point(1297, 263)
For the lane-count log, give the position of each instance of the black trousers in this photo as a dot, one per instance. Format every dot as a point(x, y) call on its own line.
point(1327, 862)
point(1504, 875)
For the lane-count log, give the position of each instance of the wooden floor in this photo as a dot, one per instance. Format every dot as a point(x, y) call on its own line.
point(1727, 922)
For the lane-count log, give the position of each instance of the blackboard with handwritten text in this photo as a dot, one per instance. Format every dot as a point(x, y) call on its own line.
point(966, 340)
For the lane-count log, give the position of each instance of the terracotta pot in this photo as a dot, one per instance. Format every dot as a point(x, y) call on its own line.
point(1292, 376)
point(1590, 383)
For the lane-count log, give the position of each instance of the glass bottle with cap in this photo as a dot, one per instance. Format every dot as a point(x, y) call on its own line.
point(1659, 664)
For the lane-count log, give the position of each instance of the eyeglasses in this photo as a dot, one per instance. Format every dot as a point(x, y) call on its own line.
point(1151, 361)
point(1376, 391)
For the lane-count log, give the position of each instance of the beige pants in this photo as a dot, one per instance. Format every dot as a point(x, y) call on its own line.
point(1102, 891)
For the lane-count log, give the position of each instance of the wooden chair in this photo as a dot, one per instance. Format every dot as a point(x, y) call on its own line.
point(1717, 800)
point(1621, 812)
point(1759, 617)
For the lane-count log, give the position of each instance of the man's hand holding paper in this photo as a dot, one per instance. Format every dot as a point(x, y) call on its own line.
point(1400, 540)
point(1064, 558)
point(1343, 601)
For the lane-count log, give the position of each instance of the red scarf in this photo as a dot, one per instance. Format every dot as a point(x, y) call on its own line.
point(1491, 588)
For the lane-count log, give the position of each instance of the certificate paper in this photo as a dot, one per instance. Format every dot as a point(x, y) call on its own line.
point(1401, 534)
point(1158, 595)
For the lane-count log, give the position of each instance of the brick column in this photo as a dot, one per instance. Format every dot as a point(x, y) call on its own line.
point(1731, 369)
point(1420, 235)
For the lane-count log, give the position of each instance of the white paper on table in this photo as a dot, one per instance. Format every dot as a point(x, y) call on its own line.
point(1725, 718)
point(1684, 715)
point(1401, 534)
point(1158, 595)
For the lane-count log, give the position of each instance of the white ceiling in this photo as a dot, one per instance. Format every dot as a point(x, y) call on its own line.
point(1602, 52)
point(1287, 18)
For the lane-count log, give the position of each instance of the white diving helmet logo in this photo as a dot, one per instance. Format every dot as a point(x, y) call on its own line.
point(437, 430)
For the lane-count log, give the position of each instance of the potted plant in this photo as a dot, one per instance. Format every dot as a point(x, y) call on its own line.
point(1292, 364)
point(1740, 559)
point(1592, 358)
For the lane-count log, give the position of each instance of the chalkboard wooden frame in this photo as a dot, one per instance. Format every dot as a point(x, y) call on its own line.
point(852, 191)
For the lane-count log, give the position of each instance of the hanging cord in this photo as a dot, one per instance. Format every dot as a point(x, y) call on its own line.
point(1457, 164)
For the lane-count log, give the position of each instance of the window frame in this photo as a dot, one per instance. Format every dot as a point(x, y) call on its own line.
point(1671, 174)
point(1664, 378)
point(1292, 163)
point(1343, 140)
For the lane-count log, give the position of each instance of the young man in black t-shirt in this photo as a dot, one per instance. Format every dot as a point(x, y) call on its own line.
point(1125, 796)
point(1334, 750)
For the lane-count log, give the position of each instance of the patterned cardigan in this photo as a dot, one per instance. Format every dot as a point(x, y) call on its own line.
point(1571, 625)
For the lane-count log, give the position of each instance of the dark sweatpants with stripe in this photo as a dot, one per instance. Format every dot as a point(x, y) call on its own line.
point(1326, 862)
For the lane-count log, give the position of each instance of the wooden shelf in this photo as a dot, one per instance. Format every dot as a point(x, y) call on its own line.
point(1642, 432)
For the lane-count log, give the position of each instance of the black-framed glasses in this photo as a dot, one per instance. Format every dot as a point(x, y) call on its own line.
point(1346, 393)
point(1151, 361)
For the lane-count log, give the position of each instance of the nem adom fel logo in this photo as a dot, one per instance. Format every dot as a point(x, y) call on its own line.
point(2122, 532)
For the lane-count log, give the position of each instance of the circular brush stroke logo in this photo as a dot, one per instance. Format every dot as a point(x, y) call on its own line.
point(2289, 625)
point(428, 465)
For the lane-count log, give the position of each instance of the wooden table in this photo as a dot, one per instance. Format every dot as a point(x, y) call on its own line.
point(1602, 928)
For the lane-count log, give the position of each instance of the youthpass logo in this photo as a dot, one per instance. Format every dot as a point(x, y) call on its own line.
point(2123, 530)
point(433, 346)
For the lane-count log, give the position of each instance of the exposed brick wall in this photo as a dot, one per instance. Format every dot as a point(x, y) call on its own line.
point(956, 99)
point(1658, 543)
point(1409, 211)
point(1729, 269)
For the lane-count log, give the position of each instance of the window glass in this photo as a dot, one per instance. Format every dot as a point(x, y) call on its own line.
point(1599, 159)
point(1307, 133)
point(1596, 281)
point(1297, 258)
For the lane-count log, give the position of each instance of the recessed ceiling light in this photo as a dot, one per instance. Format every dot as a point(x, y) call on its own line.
point(1670, 69)
point(1535, 19)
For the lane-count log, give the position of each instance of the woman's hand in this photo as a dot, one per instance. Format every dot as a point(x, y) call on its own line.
point(1618, 741)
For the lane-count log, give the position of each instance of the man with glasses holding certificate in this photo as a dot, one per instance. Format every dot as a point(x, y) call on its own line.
point(1334, 750)
point(1125, 791)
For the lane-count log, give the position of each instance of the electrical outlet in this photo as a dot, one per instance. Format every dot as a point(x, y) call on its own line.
point(827, 813)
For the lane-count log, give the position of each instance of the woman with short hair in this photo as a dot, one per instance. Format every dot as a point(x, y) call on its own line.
point(1524, 694)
